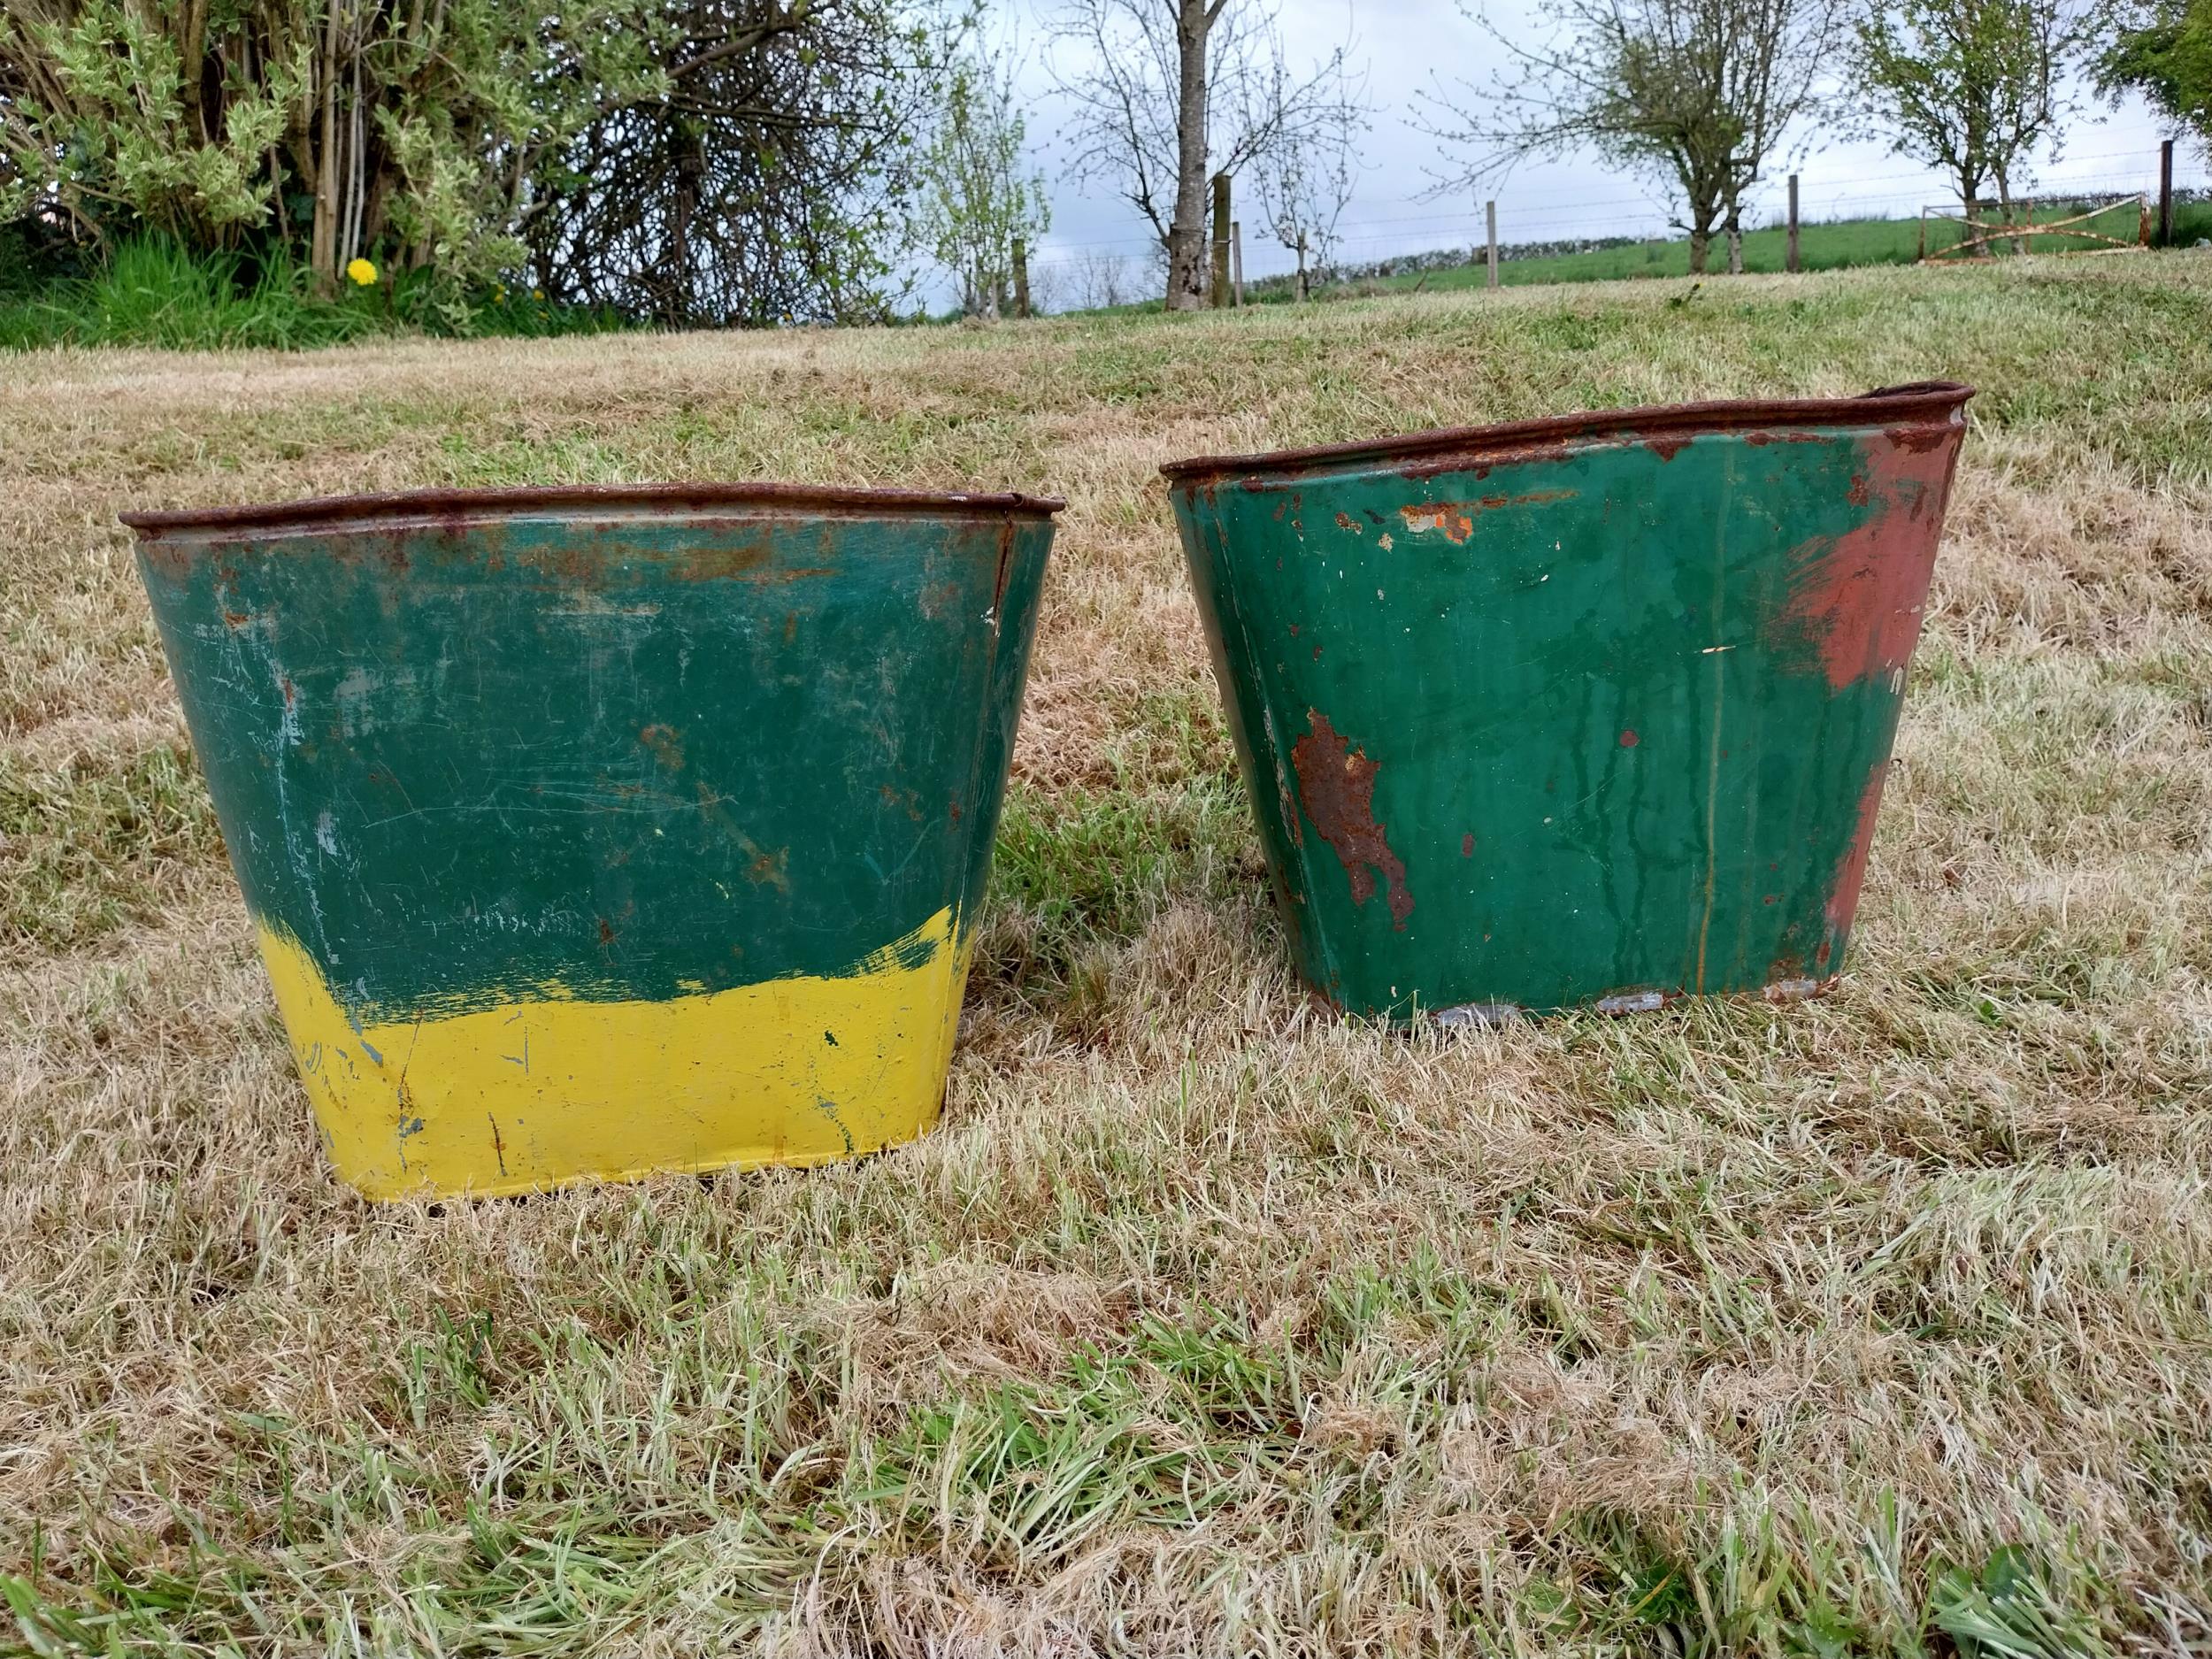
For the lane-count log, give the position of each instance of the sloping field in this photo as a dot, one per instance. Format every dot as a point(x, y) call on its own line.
point(1205, 1323)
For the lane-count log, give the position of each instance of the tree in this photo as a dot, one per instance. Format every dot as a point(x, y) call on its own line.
point(1972, 87)
point(1303, 193)
point(974, 204)
point(1170, 92)
point(323, 127)
point(1699, 93)
point(1102, 280)
point(2163, 49)
point(763, 178)
point(688, 160)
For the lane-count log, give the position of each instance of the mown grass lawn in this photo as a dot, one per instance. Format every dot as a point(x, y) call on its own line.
point(1205, 1323)
point(1822, 245)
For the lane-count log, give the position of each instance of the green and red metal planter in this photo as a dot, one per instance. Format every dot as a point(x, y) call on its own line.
point(589, 832)
point(1587, 711)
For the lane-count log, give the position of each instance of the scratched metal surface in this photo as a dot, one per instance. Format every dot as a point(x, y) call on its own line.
point(1587, 712)
point(601, 768)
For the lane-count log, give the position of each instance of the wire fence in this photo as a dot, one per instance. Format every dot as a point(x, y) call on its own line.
point(1428, 237)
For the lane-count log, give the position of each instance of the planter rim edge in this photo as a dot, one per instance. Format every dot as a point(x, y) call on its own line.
point(1921, 400)
point(460, 507)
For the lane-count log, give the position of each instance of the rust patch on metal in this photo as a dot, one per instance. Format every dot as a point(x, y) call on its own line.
point(1920, 440)
point(1345, 521)
point(1456, 519)
point(1667, 448)
point(1336, 785)
point(1444, 516)
point(1856, 600)
point(664, 745)
point(1005, 571)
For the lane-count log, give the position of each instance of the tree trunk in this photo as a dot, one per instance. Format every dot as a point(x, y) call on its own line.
point(1700, 242)
point(1186, 232)
point(323, 242)
point(192, 60)
point(1301, 264)
point(1735, 244)
point(2004, 205)
point(1969, 198)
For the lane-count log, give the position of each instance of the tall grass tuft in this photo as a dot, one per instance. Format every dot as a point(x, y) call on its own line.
point(153, 291)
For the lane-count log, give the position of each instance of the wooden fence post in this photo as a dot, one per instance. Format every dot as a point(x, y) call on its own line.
point(1021, 277)
point(1490, 212)
point(1220, 272)
point(2166, 193)
point(1236, 262)
point(1791, 262)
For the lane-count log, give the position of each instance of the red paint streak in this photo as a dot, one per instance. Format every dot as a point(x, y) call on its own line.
point(1336, 783)
point(1856, 601)
point(1857, 494)
point(1629, 740)
point(1467, 845)
point(1843, 895)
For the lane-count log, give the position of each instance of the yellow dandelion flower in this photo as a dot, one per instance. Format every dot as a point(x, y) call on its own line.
point(537, 294)
point(363, 273)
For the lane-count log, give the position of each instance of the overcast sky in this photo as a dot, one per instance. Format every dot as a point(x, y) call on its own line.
point(1406, 46)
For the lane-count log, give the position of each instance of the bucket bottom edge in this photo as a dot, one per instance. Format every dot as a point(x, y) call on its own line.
point(742, 1161)
point(1614, 1003)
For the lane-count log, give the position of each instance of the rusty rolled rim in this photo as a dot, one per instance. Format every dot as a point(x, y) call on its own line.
point(1922, 401)
point(454, 508)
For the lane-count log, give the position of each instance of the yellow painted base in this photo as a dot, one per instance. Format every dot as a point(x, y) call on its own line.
point(542, 1094)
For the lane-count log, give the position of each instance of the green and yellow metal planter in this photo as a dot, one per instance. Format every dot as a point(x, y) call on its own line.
point(1588, 711)
point(590, 832)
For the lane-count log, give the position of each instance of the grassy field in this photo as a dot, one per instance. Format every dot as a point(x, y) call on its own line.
point(1204, 1324)
point(1832, 245)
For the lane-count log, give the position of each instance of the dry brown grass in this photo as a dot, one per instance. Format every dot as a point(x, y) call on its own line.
point(1205, 1323)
